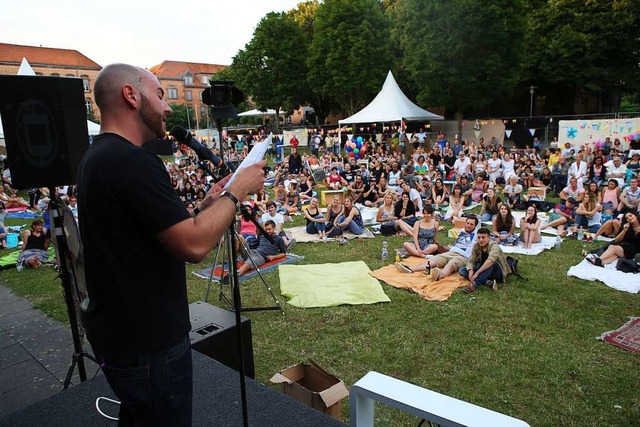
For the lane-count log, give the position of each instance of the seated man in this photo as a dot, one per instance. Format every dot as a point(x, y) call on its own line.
point(563, 216)
point(443, 265)
point(630, 197)
point(266, 251)
point(487, 264)
point(573, 190)
point(278, 220)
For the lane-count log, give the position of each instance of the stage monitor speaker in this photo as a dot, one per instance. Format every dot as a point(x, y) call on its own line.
point(45, 129)
point(213, 333)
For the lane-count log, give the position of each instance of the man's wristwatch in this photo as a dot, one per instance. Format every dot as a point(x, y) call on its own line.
point(233, 198)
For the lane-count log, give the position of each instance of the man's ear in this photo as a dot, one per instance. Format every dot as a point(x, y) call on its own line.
point(131, 96)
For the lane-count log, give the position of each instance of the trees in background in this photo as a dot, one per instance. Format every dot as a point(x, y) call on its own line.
point(465, 55)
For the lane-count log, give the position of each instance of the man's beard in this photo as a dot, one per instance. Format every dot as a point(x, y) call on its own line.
point(153, 121)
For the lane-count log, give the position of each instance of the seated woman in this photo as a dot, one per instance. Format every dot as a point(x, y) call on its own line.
point(293, 204)
point(334, 180)
point(350, 219)
point(625, 245)
point(36, 243)
point(405, 212)
point(609, 197)
point(261, 199)
point(490, 205)
point(440, 194)
point(315, 220)
point(478, 188)
point(588, 213)
point(610, 228)
point(333, 211)
point(306, 189)
point(456, 203)
point(424, 235)
point(512, 192)
point(12, 201)
point(386, 217)
point(545, 179)
point(530, 228)
point(280, 199)
point(504, 225)
point(248, 229)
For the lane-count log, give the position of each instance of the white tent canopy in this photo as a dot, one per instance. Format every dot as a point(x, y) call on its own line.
point(269, 112)
point(390, 105)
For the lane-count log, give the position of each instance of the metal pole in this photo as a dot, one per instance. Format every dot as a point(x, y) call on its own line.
point(531, 92)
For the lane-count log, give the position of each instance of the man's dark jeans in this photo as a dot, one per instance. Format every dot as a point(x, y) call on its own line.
point(155, 389)
point(492, 273)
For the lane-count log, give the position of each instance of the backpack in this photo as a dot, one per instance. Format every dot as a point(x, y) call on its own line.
point(513, 267)
point(628, 265)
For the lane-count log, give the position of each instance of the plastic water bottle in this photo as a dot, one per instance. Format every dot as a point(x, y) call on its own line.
point(558, 242)
point(580, 233)
point(19, 267)
point(584, 250)
point(385, 250)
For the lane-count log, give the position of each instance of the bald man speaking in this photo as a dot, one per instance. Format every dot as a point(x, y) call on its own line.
point(137, 236)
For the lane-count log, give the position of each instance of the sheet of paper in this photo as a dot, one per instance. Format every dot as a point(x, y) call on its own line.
point(255, 155)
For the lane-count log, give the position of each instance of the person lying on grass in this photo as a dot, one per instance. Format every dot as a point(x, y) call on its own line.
point(625, 245)
point(266, 251)
point(443, 265)
point(487, 264)
point(563, 216)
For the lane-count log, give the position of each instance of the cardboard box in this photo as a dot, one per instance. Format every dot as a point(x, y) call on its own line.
point(310, 384)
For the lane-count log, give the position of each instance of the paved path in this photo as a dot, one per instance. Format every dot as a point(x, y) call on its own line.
point(35, 354)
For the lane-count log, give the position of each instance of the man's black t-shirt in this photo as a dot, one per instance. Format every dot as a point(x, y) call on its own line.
point(137, 288)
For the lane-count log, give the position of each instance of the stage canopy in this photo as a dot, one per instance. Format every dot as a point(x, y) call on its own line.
point(269, 112)
point(390, 105)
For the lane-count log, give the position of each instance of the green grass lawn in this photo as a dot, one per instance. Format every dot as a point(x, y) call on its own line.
point(528, 350)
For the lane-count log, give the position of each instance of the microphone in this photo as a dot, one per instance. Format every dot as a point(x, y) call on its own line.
point(183, 136)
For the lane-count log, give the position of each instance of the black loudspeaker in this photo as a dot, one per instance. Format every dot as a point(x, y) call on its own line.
point(45, 129)
point(213, 333)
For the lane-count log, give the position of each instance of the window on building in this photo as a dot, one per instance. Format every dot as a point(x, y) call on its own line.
point(87, 104)
point(70, 75)
point(172, 92)
point(205, 80)
point(85, 83)
point(55, 74)
point(189, 95)
point(203, 111)
point(188, 78)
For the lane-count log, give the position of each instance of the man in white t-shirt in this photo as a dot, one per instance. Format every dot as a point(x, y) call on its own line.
point(462, 166)
point(414, 196)
point(616, 170)
point(278, 219)
point(630, 197)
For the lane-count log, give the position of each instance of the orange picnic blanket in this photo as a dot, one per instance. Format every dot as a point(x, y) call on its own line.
point(419, 283)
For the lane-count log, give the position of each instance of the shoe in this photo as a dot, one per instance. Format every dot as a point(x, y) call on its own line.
point(470, 289)
point(493, 284)
point(434, 273)
point(225, 279)
point(403, 268)
point(290, 245)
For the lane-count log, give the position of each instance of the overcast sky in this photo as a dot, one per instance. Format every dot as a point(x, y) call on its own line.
point(138, 32)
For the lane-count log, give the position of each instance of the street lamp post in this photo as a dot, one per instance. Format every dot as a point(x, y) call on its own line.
point(532, 90)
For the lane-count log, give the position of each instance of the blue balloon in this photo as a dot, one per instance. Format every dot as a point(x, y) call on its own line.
point(354, 139)
point(348, 148)
point(360, 139)
point(359, 144)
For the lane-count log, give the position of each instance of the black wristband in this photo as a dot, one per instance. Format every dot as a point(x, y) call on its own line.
point(196, 211)
point(233, 198)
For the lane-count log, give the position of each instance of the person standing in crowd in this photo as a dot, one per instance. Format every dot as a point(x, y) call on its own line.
point(137, 348)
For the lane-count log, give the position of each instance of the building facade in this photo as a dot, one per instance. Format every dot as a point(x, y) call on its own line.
point(183, 83)
point(47, 61)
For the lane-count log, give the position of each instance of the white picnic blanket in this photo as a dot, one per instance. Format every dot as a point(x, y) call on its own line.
point(300, 234)
point(608, 275)
point(546, 243)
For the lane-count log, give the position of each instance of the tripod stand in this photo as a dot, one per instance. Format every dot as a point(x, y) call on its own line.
point(66, 234)
point(226, 254)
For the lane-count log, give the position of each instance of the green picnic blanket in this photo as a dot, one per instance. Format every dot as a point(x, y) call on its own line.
point(326, 285)
point(10, 259)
